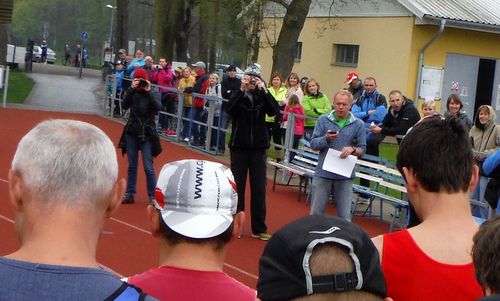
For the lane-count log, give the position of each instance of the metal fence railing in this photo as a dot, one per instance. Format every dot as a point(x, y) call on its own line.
point(187, 123)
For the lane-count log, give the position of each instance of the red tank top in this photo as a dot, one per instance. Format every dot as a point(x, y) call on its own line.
point(412, 275)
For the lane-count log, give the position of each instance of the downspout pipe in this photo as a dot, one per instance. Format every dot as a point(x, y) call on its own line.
point(421, 56)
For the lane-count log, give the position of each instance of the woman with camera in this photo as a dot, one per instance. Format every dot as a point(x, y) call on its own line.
point(140, 134)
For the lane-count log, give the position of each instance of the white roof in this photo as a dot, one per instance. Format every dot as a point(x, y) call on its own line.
point(480, 12)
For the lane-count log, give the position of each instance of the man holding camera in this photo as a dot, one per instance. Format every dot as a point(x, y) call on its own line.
point(249, 143)
point(140, 134)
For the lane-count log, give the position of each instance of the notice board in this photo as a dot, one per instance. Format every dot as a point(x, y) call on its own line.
point(431, 82)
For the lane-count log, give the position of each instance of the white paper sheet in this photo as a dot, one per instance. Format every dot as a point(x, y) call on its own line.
point(333, 163)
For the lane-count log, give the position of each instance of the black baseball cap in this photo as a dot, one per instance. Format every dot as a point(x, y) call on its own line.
point(284, 271)
point(231, 68)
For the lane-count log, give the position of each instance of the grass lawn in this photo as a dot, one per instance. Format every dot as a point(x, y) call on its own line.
point(19, 87)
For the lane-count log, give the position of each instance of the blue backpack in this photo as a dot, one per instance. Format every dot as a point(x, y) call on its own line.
point(127, 292)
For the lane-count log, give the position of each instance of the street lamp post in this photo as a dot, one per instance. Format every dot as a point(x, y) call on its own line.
point(111, 25)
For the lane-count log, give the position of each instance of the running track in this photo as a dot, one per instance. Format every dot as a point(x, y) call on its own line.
point(126, 246)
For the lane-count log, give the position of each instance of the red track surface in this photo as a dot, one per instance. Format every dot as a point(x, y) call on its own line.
point(126, 246)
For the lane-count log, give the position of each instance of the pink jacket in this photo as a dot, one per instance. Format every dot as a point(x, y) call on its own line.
point(299, 121)
point(166, 78)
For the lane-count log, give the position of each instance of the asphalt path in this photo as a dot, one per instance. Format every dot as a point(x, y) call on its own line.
point(59, 88)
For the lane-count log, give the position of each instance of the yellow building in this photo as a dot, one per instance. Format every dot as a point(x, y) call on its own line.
point(435, 47)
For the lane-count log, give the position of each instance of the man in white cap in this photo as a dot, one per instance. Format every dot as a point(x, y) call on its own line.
point(193, 218)
point(355, 85)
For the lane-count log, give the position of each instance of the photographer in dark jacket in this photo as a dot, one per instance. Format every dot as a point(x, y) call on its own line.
point(248, 107)
point(140, 134)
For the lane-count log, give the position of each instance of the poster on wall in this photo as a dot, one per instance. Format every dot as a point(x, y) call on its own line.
point(431, 82)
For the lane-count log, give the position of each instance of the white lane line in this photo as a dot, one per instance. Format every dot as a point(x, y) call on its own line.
point(241, 271)
point(130, 225)
point(3, 180)
point(110, 270)
point(6, 218)
point(147, 232)
point(100, 264)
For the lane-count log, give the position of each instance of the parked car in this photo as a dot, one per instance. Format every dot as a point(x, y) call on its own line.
point(37, 55)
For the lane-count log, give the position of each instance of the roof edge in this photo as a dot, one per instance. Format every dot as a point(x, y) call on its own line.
point(484, 27)
point(414, 8)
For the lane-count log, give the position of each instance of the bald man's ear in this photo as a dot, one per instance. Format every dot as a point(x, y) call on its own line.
point(116, 199)
point(16, 187)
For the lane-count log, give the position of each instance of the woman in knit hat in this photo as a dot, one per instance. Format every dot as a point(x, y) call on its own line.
point(140, 134)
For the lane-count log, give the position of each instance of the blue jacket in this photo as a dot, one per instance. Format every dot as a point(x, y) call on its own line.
point(131, 66)
point(352, 134)
point(491, 164)
point(367, 102)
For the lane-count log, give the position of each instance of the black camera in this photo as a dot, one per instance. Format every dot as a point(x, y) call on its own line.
point(143, 83)
point(253, 81)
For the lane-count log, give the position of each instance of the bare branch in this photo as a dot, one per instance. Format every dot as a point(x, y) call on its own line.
point(281, 2)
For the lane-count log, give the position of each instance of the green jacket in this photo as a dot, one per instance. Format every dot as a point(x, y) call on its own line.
point(278, 96)
point(320, 102)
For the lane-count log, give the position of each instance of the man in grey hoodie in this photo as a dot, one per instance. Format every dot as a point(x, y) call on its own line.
point(342, 131)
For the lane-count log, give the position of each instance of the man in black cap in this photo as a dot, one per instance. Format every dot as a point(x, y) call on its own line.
point(320, 257)
point(229, 84)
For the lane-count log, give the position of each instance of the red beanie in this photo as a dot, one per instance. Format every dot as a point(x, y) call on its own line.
point(141, 73)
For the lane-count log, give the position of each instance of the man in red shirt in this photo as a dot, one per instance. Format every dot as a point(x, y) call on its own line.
point(194, 218)
point(432, 260)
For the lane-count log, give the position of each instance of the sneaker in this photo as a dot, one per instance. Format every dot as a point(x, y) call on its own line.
point(128, 199)
point(172, 133)
point(186, 140)
point(262, 236)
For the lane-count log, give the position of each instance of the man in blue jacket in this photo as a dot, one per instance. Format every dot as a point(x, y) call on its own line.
point(342, 131)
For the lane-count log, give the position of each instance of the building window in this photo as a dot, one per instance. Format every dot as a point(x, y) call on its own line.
point(298, 51)
point(346, 55)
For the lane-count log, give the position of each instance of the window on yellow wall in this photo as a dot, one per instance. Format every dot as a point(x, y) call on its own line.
point(298, 52)
point(345, 55)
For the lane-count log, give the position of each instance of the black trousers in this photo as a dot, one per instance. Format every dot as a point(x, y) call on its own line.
point(252, 162)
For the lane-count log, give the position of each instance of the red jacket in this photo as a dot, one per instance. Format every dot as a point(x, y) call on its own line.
point(200, 87)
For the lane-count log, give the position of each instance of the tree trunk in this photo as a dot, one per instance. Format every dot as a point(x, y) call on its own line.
point(3, 43)
point(254, 38)
point(215, 33)
point(166, 18)
point(122, 24)
point(203, 26)
point(182, 31)
point(293, 22)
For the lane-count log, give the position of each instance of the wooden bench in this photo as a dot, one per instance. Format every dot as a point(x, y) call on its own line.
point(303, 165)
point(387, 181)
point(388, 186)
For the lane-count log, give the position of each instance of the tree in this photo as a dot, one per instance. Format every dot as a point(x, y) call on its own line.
point(293, 22)
point(183, 30)
point(166, 19)
point(122, 24)
point(252, 14)
point(213, 37)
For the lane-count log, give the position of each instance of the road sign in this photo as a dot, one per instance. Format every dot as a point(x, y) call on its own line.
point(84, 36)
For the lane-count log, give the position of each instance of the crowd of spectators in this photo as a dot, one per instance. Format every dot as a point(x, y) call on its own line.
point(440, 183)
